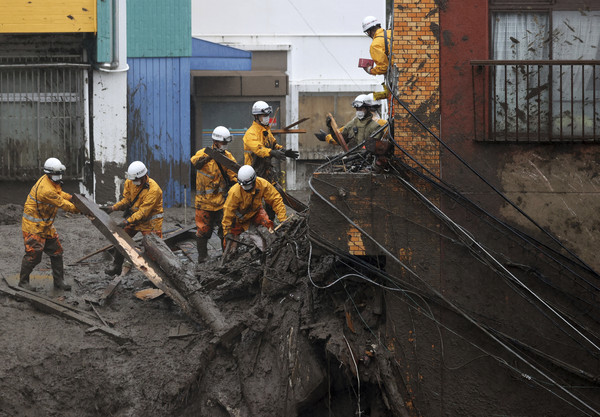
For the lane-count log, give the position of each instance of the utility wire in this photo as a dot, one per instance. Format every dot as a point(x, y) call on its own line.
point(496, 190)
point(441, 296)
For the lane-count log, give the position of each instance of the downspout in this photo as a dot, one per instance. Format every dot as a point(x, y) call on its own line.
point(113, 66)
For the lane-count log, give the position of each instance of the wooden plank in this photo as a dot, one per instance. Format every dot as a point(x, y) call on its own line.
point(110, 289)
point(125, 244)
point(287, 131)
point(59, 303)
point(304, 119)
point(338, 135)
point(170, 239)
point(50, 306)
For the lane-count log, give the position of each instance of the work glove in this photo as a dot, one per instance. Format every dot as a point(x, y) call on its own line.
point(290, 153)
point(106, 209)
point(202, 161)
point(382, 95)
point(368, 69)
point(321, 135)
point(328, 122)
point(279, 154)
point(123, 224)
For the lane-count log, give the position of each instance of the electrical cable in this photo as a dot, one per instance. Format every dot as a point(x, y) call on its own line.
point(500, 360)
point(462, 313)
point(496, 190)
point(458, 197)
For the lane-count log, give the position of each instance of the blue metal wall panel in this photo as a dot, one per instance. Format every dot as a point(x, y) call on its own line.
point(159, 122)
point(159, 28)
point(212, 56)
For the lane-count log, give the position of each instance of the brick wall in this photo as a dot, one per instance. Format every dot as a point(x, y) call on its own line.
point(416, 53)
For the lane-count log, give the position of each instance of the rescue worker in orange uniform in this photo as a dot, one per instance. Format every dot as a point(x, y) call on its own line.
point(212, 184)
point(260, 145)
point(356, 130)
point(379, 50)
point(142, 204)
point(39, 234)
point(244, 204)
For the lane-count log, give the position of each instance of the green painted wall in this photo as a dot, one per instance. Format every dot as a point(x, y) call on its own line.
point(104, 35)
point(159, 28)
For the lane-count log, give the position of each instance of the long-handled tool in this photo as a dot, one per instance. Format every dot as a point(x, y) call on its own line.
point(234, 166)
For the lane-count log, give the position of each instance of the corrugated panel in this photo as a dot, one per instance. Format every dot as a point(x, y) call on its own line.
point(158, 131)
point(26, 16)
point(158, 28)
point(212, 56)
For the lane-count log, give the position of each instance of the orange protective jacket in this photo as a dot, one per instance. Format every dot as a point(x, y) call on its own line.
point(241, 205)
point(147, 209)
point(256, 143)
point(211, 188)
point(41, 206)
point(377, 51)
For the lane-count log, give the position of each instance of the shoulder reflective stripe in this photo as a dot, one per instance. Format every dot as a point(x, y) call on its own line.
point(206, 175)
point(37, 201)
point(205, 191)
point(35, 220)
point(156, 216)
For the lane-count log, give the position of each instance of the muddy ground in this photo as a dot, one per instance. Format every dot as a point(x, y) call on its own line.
point(295, 355)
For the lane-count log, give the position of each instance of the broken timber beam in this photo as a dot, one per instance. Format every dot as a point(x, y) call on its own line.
point(50, 306)
point(170, 239)
point(125, 244)
point(189, 287)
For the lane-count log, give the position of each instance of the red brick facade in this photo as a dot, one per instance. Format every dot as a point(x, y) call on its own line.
point(416, 53)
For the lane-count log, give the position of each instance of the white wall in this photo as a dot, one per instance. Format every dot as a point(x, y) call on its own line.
point(324, 40)
point(109, 115)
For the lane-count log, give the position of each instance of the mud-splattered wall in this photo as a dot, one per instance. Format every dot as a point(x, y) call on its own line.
point(556, 184)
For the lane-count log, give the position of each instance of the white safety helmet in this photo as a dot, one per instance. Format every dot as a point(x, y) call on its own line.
point(261, 108)
point(136, 170)
point(54, 166)
point(221, 134)
point(369, 22)
point(360, 101)
point(246, 177)
point(370, 101)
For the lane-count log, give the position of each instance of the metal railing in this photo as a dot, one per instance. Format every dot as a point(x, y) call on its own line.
point(536, 101)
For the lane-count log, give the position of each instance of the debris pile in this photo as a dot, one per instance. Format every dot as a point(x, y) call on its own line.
point(294, 349)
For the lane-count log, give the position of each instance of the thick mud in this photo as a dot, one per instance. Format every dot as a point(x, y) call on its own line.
point(297, 354)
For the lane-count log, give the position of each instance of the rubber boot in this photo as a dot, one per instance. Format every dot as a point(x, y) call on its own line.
point(117, 266)
point(26, 269)
point(201, 245)
point(58, 273)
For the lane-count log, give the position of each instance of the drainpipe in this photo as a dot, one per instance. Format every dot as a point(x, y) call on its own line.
point(113, 66)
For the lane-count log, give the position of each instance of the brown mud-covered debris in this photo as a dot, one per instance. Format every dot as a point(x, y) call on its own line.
point(297, 354)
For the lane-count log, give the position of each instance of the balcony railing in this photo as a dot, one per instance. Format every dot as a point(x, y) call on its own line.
point(536, 101)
